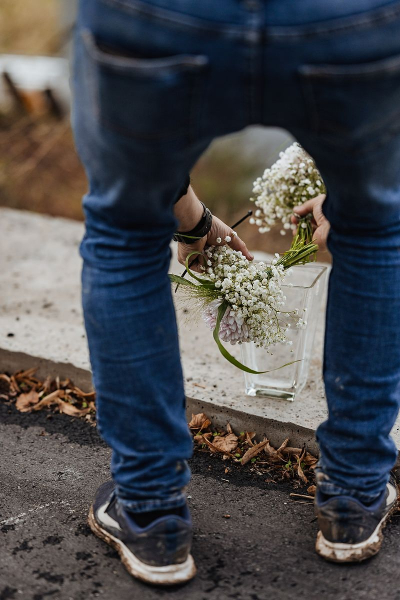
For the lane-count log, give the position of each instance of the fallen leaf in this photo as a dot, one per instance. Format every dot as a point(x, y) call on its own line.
point(199, 421)
point(310, 460)
point(81, 394)
point(249, 436)
point(292, 451)
point(63, 407)
point(14, 387)
point(253, 451)
point(300, 471)
point(25, 374)
point(229, 428)
point(311, 490)
point(227, 443)
point(25, 402)
point(203, 439)
point(283, 445)
point(48, 400)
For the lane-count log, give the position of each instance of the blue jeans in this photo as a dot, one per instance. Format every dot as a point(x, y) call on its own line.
point(155, 82)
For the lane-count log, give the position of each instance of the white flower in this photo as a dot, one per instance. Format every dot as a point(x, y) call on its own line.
point(228, 239)
point(292, 180)
point(219, 240)
point(254, 298)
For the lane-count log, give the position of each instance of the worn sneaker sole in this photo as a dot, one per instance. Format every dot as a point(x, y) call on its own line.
point(169, 575)
point(342, 553)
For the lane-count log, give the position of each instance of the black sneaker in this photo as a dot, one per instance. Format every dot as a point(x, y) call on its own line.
point(158, 553)
point(349, 530)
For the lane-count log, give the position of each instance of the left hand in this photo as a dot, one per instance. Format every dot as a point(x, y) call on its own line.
point(219, 231)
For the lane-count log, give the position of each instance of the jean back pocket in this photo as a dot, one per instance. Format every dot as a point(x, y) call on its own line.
point(355, 105)
point(145, 98)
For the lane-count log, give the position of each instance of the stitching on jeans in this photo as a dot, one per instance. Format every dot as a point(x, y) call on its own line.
point(356, 72)
point(373, 18)
point(175, 19)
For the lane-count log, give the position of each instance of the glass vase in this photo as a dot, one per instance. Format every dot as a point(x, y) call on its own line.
point(304, 294)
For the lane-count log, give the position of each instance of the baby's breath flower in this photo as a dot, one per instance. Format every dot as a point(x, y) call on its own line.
point(254, 296)
point(292, 180)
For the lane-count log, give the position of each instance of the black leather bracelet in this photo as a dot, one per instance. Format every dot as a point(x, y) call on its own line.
point(201, 229)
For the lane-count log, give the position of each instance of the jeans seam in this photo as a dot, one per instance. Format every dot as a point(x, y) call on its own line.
point(177, 20)
point(371, 18)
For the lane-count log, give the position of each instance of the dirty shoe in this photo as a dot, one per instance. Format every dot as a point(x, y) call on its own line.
point(158, 553)
point(349, 530)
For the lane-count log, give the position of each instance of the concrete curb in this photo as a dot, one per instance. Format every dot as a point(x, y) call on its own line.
point(275, 431)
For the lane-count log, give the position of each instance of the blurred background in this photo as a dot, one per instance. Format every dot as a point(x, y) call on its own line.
point(39, 168)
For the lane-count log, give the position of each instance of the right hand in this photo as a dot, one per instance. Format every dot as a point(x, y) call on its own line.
point(319, 222)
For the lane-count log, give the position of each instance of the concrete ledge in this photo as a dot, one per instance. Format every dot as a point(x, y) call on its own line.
point(275, 431)
point(41, 324)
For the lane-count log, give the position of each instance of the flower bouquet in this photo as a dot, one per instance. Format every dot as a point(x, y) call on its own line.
point(244, 302)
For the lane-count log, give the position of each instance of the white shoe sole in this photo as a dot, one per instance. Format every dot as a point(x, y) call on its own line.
point(169, 575)
point(342, 553)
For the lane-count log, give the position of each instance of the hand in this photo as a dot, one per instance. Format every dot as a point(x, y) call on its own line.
point(188, 211)
point(320, 223)
point(219, 231)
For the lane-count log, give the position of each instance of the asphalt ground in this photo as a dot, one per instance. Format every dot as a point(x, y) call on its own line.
point(50, 469)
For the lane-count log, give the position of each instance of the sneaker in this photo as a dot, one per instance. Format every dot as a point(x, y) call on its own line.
point(157, 554)
point(351, 531)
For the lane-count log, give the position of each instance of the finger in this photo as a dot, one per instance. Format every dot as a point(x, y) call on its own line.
point(321, 235)
point(308, 207)
point(237, 244)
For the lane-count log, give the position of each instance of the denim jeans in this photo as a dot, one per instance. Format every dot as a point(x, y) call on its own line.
point(155, 81)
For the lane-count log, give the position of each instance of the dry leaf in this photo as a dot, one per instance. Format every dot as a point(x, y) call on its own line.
point(229, 428)
point(72, 411)
point(25, 402)
point(50, 399)
point(311, 490)
point(310, 460)
point(292, 451)
point(63, 407)
point(283, 445)
point(25, 374)
point(203, 439)
point(253, 451)
point(300, 472)
point(249, 436)
point(14, 387)
point(199, 421)
point(87, 395)
point(227, 443)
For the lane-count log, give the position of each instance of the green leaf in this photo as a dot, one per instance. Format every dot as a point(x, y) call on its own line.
point(180, 280)
point(221, 311)
point(204, 281)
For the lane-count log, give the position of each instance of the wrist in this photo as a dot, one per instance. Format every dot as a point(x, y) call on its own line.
point(199, 231)
point(188, 210)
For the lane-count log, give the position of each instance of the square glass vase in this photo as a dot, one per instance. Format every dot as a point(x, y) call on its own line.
point(307, 287)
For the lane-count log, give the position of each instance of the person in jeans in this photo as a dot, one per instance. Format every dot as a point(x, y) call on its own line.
point(155, 81)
